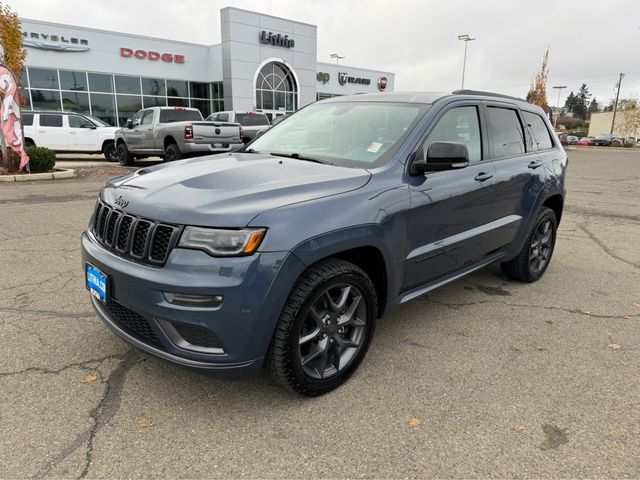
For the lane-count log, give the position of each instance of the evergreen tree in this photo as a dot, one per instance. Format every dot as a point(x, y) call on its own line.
point(581, 106)
point(593, 106)
point(570, 102)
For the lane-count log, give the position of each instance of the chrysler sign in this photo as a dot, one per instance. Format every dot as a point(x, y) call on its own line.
point(52, 41)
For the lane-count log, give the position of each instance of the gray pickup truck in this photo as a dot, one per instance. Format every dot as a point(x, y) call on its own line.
point(173, 133)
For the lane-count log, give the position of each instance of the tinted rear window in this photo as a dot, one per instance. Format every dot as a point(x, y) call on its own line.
point(253, 120)
point(505, 132)
point(27, 119)
point(50, 120)
point(540, 131)
point(170, 116)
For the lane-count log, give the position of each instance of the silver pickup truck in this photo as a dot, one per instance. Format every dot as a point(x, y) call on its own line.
point(253, 124)
point(173, 133)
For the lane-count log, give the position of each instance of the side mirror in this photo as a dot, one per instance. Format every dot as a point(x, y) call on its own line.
point(129, 123)
point(440, 156)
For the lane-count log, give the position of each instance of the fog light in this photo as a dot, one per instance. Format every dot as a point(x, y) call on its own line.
point(202, 301)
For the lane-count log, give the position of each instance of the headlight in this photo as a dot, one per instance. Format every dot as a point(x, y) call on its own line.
point(222, 243)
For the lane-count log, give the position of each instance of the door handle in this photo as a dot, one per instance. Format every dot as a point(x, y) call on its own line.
point(73, 133)
point(481, 177)
point(535, 164)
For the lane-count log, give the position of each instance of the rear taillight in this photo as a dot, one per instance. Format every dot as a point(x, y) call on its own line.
point(188, 132)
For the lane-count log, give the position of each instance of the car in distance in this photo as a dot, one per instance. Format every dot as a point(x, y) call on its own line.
point(253, 123)
point(604, 140)
point(572, 140)
point(173, 133)
point(69, 132)
point(285, 253)
point(585, 142)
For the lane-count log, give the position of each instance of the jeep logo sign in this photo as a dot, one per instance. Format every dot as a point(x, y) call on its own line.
point(276, 40)
point(323, 77)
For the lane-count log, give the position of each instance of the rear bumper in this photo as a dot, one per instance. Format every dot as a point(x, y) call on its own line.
point(206, 148)
point(240, 329)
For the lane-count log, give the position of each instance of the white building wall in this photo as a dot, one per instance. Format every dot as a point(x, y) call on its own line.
point(332, 85)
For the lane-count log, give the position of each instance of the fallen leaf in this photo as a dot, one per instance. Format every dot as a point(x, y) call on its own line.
point(90, 378)
point(614, 346)
point(626, 317)
point(540, 348)
point(637, 305)
point(145, 423)
point(464, 333)
point(516, 349)
point(518, 428)
point(586, 312)
point(415, 422)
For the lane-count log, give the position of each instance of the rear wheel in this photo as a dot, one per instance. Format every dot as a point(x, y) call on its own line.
point(109, 152)
point(172, 152)
point(325, 328)
point(124, 156)
point(534, 258)
point(29, 143)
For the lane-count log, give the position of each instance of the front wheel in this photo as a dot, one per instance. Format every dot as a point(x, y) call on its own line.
point(534, 258)
point(124, 156)
point(172, 152)
point(325, 328)
point(109, 152)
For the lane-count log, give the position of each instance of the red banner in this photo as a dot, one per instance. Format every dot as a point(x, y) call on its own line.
point(10, 119)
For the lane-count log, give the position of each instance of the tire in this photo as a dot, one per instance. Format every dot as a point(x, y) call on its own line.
point(124, 157)
point(320, 340)
point(535, 256)
point(110, 153)
point(29, 143)
point(172, 153)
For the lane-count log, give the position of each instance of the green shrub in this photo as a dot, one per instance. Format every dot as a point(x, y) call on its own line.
point(41, 159)
point(615, 143)
point(629, 145)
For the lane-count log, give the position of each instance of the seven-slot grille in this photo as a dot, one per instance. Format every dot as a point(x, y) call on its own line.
point(131, 236)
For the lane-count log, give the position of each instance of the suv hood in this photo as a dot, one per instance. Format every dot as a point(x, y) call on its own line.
point(227, 190)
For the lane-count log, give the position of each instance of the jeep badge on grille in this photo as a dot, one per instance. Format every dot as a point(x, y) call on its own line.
point(121, 202)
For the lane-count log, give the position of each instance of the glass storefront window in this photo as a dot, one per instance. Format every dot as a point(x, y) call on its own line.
point(154, 101)
point(153, 86)
point(24, 94)
point(99, 82)
point(46, 99)
point(128, 105)
point(177, 102)
point(176, 88)
point(199, 90)
point(24, 81)
point(43, 78)
point(203, 105)
point(216, 88)
point(75, 102)
point(73, 80)
point(128, 85)
point(218, 106)
point(103, 107)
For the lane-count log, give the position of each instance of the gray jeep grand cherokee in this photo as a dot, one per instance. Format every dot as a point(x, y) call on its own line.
point(284, 254)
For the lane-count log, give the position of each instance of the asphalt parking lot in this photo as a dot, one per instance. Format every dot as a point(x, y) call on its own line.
point(482, 378)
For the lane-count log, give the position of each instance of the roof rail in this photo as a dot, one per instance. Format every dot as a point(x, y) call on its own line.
point(486, 94)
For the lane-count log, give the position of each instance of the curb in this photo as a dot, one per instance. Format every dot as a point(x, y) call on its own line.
point(57, 174)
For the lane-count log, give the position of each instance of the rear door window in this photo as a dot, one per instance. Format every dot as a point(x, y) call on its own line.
point(179, 115)
point(50, 120)
point(27, 119)
point(252, 119)
point(506, 137)
point(540, 131)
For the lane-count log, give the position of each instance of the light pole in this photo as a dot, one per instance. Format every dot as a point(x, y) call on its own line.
point(466, 39)
point(559, 88)
point(337, 57)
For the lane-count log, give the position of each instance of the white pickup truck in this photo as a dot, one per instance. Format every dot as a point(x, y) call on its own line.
point(69, 132)
point(174, 133)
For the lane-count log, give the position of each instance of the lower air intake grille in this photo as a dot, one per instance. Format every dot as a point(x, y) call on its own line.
point(132, 323)
point(198, 336)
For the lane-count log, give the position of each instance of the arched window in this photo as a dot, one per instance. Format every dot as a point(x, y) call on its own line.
point(276, 89)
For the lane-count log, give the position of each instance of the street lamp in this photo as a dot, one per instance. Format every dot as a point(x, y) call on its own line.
point(337, 57)
point(466, 39)
point(555, 119)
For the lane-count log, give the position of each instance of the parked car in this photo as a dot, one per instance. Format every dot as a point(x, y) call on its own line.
point(562, 136)
point(586, 141)
point(173, 133)
point(604, 140)
point(253, 123)
point(284, 254)
point(69, 132)
point(572, 140)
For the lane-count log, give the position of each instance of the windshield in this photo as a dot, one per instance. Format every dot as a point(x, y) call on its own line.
point(179, 115)
point(252, 119)
point(350, 134)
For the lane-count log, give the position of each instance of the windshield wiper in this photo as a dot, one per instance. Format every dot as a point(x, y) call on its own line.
point(297, 156)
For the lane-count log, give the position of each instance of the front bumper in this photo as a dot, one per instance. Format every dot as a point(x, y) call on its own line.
point(242, 326)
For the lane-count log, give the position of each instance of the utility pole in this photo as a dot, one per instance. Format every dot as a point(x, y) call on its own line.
point(555, 119)
point(466, 39)
point(615, 105)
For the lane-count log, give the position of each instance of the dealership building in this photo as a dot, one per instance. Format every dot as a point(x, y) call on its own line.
point(263, 63)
